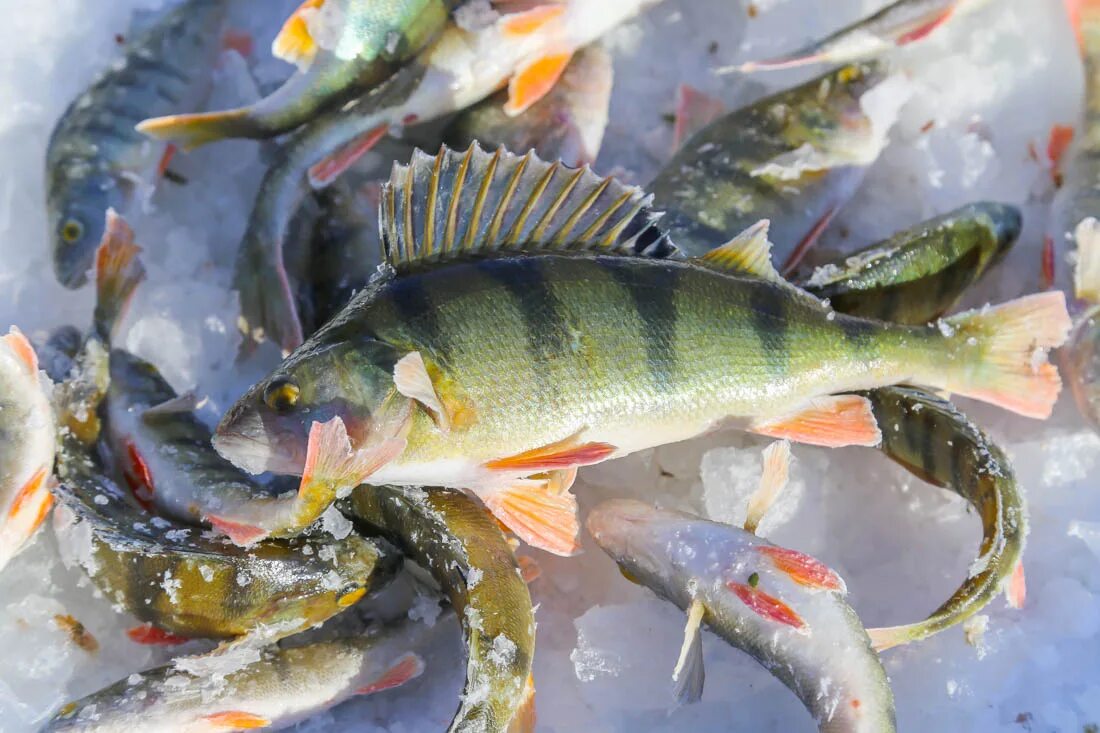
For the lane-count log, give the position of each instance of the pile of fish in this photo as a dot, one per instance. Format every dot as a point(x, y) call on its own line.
point(460, 338)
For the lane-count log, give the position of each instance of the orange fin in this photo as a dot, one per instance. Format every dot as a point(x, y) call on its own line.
point(236, 720)
point(170, 151)
point(529, 568)
point(799, 252)
point(524, 719)
point(150, 635)
point(1016, 592)
point(830, 422)
point(22, 349)
point(1046, 267)
point(926, 29)
point(138, 477)
point(408, 667)
point(118, 272)
point(694, 111)
point(1057, 144)
point(239, 41)
point(561, 481)
point(533, 81)
point(411, 377)
point(331, 461)
point(331, 167)
point(563, 454)
point(889, 637)
point(242, 535)
point(29, 493)
point(295, 43)
point(773, 479)
point(541, 519)
point(803, 569)
point(1011, 342)
point(529, 21)
point(767, 606)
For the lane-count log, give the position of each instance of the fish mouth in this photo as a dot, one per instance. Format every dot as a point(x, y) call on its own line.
point(242, 439)
point(1007, 224)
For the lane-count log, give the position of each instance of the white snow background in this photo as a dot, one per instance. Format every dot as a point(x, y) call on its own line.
point(991, 84)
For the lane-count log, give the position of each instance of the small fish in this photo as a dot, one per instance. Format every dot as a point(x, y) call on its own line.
point(184, 582)
point(96, 160)
point(27, 444)
point(451, 536)
point(1081, 356)
point(282, 687)
point(937, 443)
point(794, 158)
point(898, 24)
point(537, 321)
point(567, 124)
point(342, 49)
point(782, 607)
point(525, 51)
point(918, 274)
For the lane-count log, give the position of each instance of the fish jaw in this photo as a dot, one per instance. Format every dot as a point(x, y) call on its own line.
point(77, 202)
point(245, 440)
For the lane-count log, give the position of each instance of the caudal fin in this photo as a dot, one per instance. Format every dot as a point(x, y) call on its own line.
point(118, 272)
point(195, 130)
point(1002, 353)
point(268, 310)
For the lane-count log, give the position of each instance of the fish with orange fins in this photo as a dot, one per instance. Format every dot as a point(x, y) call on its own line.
point(96, 160)
point(526, 51)
point(898, 24)
point(342, 49)
point(780, 606)
point(284, 686)
point(1081, 356)
point(537, 320)
point(27, 444)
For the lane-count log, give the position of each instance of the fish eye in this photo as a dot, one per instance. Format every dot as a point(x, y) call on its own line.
point(281, 395)
point(72, 230)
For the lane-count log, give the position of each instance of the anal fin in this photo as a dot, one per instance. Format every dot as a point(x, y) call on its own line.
point(534, 80)
point(411, 378)
point(689, 674)
point(294, 43)
point(405, 668)
point(328, 169)
point(830, 422)
point(230, 720)
point(541, 519)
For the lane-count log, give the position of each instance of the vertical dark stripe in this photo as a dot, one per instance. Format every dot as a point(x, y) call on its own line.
point(768, 311)
point(544, 327)
point(931, 442)
point(417, 313)
point(887, 308)
point(652, 288)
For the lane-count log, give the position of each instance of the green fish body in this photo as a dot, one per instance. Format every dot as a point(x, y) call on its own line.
point(462, 547)
point(96, 160)
point(374, 39)
point(793, 158)
point(282, 687)
point(918, 274)
point(526, 363)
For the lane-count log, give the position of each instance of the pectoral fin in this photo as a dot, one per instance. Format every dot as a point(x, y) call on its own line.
point(777, 464)
point(236, 720)
point(518, 25)
point(406, 668)
point(1016, 591)
point(564, 454)
point(541, 519)
point(295, 43)
point(330, 168)
point(22, 349)
point(688, 676)
point(411, 377)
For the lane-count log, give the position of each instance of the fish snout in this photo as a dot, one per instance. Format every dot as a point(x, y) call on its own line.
point(1007, 222)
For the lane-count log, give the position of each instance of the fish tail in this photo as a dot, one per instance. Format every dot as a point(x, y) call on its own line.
point(118, 273)
point(1002, 353)
point(191, 131)
point(889, 637)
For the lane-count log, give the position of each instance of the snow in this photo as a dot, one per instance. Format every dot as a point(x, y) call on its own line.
point(990, 86)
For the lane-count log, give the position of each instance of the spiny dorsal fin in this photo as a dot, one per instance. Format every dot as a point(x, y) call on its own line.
point(458, 205)
point(749, 253)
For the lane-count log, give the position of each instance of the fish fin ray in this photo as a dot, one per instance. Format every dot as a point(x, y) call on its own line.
point(749, 253)
point(294, 42)
point(190, 131)
point(405, 669)
point(149, 635)
point(182, 404)
point(533, 81)
point(118, 272)
point(807, 571)
point(1016, 588)
point(767, 606)
point(528, 22)
point(689, 674)
point(21, 347)
point(889, 637)
point(517, 204)
point(334, 165)
point(564, 454)
point(773, 479)
point(524, 719)
point(1013, 340)
point(411, 378)
point(832, 422)
point(541, 519)
point(230, 720)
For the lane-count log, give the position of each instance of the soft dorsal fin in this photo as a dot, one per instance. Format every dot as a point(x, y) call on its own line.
point(749, 253)
point(458, 205)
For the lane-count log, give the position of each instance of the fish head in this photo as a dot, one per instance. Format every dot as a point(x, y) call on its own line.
point(268, 428)
point(1005, 222)
point(640, 538)
point(78, 204)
